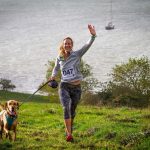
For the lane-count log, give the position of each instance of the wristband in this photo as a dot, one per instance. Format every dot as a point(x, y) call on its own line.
point(94, 36)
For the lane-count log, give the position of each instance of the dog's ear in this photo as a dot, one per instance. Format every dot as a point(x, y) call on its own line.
point(6, 105)
point(1, 106)
point(18, 105)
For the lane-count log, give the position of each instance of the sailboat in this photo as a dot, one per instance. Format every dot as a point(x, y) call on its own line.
point(110, 25)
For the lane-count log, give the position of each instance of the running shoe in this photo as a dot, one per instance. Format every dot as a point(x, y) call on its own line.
point(69, 138)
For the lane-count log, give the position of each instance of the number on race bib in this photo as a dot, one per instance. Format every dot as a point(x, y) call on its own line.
point(68, 73)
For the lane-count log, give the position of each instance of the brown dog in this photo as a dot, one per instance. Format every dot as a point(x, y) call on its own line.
point(8, 118)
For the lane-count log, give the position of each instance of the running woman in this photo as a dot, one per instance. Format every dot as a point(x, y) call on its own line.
point(68, 61)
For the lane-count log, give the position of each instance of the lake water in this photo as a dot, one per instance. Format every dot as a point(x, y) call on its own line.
point(31, 32)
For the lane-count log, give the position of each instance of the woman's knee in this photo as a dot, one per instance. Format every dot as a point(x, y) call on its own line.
point(67, 112)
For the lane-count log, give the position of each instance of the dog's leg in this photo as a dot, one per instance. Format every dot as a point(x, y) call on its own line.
point(8, 135)
point(1, 132)
point(14, 134)
point(10, 138)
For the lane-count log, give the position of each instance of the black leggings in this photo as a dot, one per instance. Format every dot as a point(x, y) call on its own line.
point(69, 97)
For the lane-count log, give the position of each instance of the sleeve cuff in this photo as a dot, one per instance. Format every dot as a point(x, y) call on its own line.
point(93, 36)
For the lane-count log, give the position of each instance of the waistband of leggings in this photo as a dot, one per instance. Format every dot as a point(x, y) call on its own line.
point(70, 85)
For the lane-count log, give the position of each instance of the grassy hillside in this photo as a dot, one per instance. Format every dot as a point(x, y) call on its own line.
point(41, 127)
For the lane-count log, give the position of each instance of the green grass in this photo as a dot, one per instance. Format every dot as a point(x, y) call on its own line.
point(41, 126)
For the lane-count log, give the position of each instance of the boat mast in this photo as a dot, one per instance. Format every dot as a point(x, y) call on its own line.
point(111, 16)
point(110, 25)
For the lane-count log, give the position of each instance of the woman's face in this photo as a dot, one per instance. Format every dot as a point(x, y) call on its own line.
point(67, 44)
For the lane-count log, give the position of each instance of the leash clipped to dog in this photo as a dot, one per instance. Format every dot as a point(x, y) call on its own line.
point(51, 83)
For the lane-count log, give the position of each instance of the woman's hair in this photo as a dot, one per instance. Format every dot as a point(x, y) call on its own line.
point(61, 48)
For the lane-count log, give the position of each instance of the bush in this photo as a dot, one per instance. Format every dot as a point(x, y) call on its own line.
point(130, 83)
point(90, 98)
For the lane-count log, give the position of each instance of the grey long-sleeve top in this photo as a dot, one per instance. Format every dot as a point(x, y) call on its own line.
point(70, 67)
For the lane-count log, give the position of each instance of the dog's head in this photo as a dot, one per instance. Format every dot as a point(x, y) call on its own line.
point(12, 106)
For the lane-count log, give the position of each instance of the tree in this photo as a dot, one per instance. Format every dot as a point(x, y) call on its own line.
point(131, 80)
point(89, 83)
point(6, 84)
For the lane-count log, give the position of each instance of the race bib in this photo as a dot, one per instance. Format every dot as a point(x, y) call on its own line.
point(68, 73)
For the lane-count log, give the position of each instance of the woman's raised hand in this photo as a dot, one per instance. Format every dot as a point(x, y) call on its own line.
point(92, 29)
